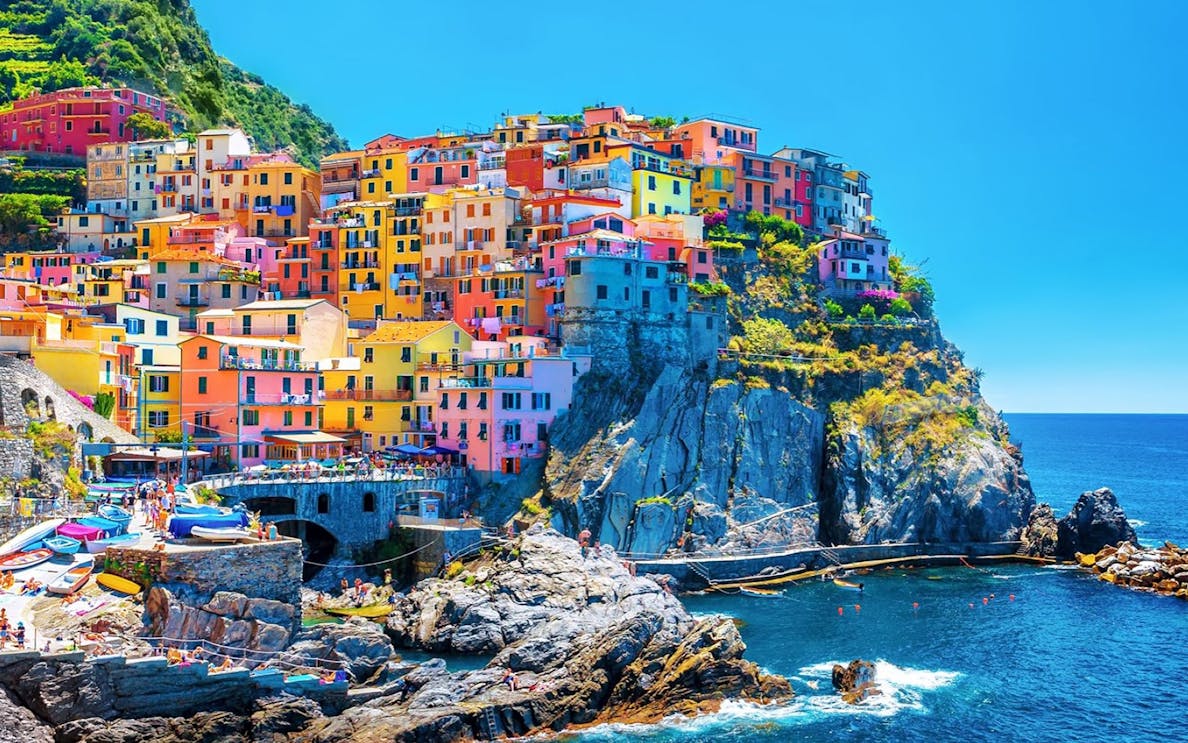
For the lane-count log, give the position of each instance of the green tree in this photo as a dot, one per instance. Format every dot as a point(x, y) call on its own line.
point(20, 213)
point(765, 335)
point(781, 229)
point(834, 310)
point(900, 307)
point(663, 122)
point(144, 126)
point(866, 313)
point(104, 404)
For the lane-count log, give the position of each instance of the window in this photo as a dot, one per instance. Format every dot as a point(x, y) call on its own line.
point(368, 355)
point(406, 354)
point(414, 174)
point(542, 400)
point(158, 383)
point(511, 431)
point(201, 352)
point(465, 171)
point(226, 289)
point(162, 328)
point(487, 209)
point(247, 325)
point(133, 325)
point(601, 291)
point(290, 324)
point(482, 434)
point(575, 268)
point(158, 418)
point(651, 272)
point(369, 502)
point(288, 179)
point(676, 188)
point(511, 400)
point(445, 429)
point(251, 417)
point(323, 503)
point(160, 264)
point(201, 385)
point(626, 269)
point(651, 183)
point(445, 401)
point(288, 418)
point(482, 401)
point(702, 256)
point(263, 179)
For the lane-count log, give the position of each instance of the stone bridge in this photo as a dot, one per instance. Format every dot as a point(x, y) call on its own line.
point(335, 513)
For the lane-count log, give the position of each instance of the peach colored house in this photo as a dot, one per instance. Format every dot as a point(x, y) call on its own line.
point(248, 400)
point(712, 140)
point(499, 412)
point(316, 325)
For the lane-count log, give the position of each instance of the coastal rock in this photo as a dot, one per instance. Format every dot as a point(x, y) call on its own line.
point(1096, 520)
point(276, 717)
point(61, 692)
point(358, 645)
point(1040, 535)
point(229, 619)
point(972, 490)
point(203, 727)
point(19, 725)
point(855, 681)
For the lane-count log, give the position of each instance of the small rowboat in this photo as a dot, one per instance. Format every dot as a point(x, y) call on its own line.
point(759, 591)
point(29, 536)
point(116, 583)
point(221, 533)
point(116, 514)
point(72, 580)
point(95, 546)
point(22, 560)
point(62, 545)
point(371, 611)
point(847, 585)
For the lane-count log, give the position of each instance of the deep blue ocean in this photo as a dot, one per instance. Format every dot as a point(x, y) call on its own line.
point(1008, 654)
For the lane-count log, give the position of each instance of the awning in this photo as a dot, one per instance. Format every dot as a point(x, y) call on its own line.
point(405, 449)
point(141, 453)
point(313, 437)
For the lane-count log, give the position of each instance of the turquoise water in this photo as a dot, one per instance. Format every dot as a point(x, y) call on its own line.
point(1068, 658)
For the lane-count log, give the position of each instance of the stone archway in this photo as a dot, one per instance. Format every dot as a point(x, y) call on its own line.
point(50, 412)
point(31, 404)
point(85, 431)
point(318, 544)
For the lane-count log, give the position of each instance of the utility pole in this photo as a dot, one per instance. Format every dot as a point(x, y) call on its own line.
point(185, 459)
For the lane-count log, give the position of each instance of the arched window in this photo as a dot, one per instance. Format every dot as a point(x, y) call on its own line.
point(369, 502)
point(323, 503)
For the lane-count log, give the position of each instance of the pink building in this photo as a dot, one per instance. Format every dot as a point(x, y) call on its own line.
point(713, 140)
point(500, 412)
point(70, 120)
point(50, 267)
point(438, 170)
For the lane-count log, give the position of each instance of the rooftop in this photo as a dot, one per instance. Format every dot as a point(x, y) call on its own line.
point(406, 332)
point(246, 341)
point(280, 304)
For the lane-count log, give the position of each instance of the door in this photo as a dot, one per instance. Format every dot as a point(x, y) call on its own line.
point(249, 389)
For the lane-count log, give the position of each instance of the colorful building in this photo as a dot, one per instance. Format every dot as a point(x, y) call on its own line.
point(92, 358)
point(49, 267)
point(316, 325)
point(849, 263)
point(73, 119)
point(186, 282)
point(714, 141)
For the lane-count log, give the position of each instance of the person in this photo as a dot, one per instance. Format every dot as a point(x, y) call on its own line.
point(509, 678)
point(344, 586)
point(226, 665)
point(447, 557)
point(388, 577)
point(19, 635)
point(272, 533)
point(3, 629)
point(341, 675)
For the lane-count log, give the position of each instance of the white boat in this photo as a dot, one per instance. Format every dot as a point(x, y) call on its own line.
point(221, 533)
point(30, 536)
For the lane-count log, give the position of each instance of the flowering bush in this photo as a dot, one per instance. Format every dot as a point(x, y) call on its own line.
point(713, 219)
point(86, 400)
point(885, 295)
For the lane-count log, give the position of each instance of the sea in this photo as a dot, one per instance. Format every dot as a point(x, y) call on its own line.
point(1004, 653)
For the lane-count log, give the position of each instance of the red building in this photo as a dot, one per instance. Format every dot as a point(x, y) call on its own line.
point(323, 262)
point(525, 166)
point(69, 120)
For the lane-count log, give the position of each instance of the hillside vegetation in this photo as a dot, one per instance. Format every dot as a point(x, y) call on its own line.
point(154, 45)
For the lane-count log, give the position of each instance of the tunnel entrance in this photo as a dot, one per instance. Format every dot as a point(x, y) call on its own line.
point(317, 544)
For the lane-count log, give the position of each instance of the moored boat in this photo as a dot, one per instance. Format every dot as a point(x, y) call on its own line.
point(200, 509)
point(62, 545)
point(371, 611)
point(847, 585)
point(30, 536)
point(115, 514)
point(221, 533)
point(22, 560)
point(72, 580)
point(95, 546)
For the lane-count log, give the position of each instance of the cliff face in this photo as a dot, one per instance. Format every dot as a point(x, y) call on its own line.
point(711, 456)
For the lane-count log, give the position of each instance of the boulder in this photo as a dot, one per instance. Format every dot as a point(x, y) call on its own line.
point(19, 724)
point(227, 604)
point(1096, 520)
point(856, 681)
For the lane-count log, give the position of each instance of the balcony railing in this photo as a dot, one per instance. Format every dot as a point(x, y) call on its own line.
point(360, 264)
point(510, 383)
point(281, 398)
point(371, 173)
point(249, 364)
point(767, 175)
point(193, 301)
point(365, 395)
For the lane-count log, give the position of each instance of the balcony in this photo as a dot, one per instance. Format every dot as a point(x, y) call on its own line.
point(364, 286)
point(280, 398)
point(732, 142)
point(360, 264)
point(782, 203)
point(507, 383)
point(417, 427)
point(493, 164)
point(371, 173)
point(193, 301)
point(247, 364)
point(367, 395)
point(762, 175)
point(405, 211)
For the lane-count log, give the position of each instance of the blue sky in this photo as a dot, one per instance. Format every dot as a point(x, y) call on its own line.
point(1029, 152)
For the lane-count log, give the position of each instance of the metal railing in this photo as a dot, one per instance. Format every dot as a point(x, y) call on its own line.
point(299, 473)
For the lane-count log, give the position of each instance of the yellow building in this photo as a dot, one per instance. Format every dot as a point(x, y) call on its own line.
point(379, 249)
point(91, 358)
point(384, 173)
point(160, 401)
point(282, 196)
point(713, 188)
point(383, 395)
point(122, 281)
point(154, 233)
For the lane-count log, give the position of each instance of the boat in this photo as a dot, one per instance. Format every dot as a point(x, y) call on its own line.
point(221, 533)
point(95, 546)
point(371, 611)
point(72, 580)
point(759, 591)
point(107, 526)
point(847, 585)
point(116, 583)
point(62, 545)
point(200, 509)
point(115, 513)
point(29, 536)
point(181, 524)
point(22, 560)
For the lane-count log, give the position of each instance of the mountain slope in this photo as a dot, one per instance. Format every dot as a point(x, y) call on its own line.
point(158, 46)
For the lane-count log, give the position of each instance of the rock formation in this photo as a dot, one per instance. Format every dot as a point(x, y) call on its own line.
point(855, 681)
point(1040, 535)
point(1162, 569)
point(228, 619)
point(1095, 520)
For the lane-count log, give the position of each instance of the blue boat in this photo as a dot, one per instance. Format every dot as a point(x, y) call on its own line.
point(62, 545)
point(119, 540)
point(116, 514)
point(198, 509)
point(107, 526)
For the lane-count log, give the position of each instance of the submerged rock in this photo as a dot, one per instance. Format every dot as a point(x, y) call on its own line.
point(1096, 520)
point(856, 681)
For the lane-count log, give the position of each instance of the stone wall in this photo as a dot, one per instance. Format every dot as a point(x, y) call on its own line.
point(623, 342)
point(433, 542)
point(261, 570)
point(25, 382)
point(16, 458)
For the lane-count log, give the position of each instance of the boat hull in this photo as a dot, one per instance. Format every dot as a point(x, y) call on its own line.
point(71, 581)
point(847, 585)
point(62, 545)
point(33, 534)
point(116, 583)
point(22, 560)
point(374, 611)
point(221, 534)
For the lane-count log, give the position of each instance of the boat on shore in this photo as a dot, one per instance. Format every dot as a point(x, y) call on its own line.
point(62, 545)
point(200, 509)
point(847, 585)
point(221, 533)
point(115, 514)
point(30, 536)
point(72, 580)
point(118, 584)
point(22, 560)
point(95, 546)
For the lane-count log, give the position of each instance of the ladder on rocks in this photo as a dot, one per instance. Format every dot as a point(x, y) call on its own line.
point(489, 720)
point(829, 555)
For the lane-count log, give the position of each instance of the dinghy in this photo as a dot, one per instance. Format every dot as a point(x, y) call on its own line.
point(371, 611)
point(62, 545)
point(221, 533)
point(30, 536)
point(114, 513)
point(847, 585)
point(116, 583)
point(72, 580)
point(22, 560)
point(95, 546)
